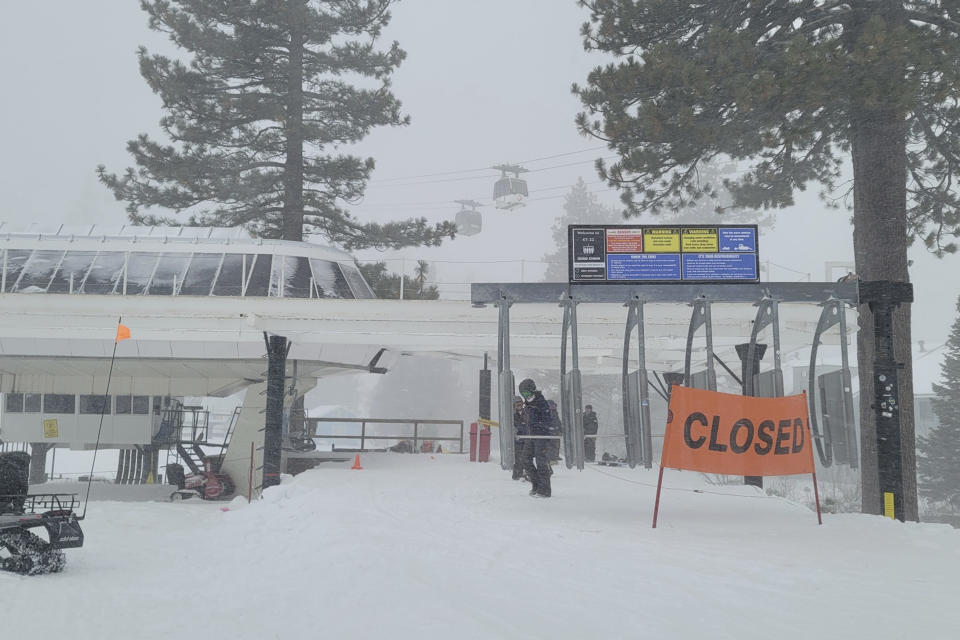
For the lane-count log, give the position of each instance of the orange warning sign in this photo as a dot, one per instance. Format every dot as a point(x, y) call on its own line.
point(624, 241)
point(737, 435)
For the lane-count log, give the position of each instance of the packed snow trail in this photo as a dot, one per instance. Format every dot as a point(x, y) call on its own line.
point(419, 546)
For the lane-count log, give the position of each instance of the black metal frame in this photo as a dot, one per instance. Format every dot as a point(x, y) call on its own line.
point(756, 252)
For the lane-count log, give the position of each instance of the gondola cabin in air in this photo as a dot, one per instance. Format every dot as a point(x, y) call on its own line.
point(510, 191)
point(469, 220)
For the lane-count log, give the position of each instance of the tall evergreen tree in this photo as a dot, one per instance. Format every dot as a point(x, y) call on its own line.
point(792, 88)
point(256, 115)
point(939, 462)
point(579, 207)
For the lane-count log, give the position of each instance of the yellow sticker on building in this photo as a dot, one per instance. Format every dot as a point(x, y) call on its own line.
point(888, 510)
point(701, 240)
point(51, 428)
point(661, 240)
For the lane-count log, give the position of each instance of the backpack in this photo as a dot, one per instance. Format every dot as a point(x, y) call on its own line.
point(556, 426)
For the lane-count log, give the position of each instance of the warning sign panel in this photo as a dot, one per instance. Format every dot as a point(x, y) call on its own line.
point(662, 240)
point(619, 254)
point(624, 241)
point(700, 240)
point(51, 428)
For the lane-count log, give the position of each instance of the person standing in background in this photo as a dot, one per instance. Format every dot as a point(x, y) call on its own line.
point(537, 452)
point(591, 425)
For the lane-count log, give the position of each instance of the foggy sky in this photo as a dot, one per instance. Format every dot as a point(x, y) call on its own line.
point(485, 81)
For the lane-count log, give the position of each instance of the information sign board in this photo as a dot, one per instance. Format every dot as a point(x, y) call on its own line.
point(620, 254)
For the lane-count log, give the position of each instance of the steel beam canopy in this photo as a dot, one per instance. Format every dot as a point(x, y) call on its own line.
point(483, 293)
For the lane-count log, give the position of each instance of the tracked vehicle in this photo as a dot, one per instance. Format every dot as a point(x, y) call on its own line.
point(21, 549)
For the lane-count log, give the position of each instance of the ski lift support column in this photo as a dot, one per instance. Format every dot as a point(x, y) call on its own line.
point(700, 317)
point(571, 390)
point(833, 314)
point(505, 385)
point(768, 314)
point(636, 392)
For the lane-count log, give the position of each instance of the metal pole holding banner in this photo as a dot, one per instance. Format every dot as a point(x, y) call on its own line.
point(656, 504)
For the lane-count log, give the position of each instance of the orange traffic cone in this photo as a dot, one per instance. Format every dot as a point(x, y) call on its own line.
point(356, 463)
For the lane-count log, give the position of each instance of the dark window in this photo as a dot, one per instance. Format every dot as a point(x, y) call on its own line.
point(171, 269)
point(358, 285)
point(199, 278)
point(105, 274)
point(141, 405)
point(137, 405)
point(31, 403)
point(94, 405)
point(139, 270)
point(329, 281)
point(73, 269)
point(230, 280)
point(38, 271)
point(59, 403)
point(16, 258)
point(14, 403)
point(259, 278)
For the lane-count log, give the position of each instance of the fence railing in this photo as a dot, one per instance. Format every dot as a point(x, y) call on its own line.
point(417, 437)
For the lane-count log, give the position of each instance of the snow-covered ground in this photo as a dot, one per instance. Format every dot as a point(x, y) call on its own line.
point(419, 546)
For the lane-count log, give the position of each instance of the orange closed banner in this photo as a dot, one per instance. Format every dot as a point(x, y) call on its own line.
point(737, 435)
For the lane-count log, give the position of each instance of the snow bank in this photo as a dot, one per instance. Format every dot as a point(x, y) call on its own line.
point(419, 546)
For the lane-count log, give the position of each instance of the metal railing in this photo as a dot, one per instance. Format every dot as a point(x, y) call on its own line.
point(186, 424)
point(311, 426)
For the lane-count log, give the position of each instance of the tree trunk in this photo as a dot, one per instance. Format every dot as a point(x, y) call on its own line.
point(880, 245)
point(293, 167)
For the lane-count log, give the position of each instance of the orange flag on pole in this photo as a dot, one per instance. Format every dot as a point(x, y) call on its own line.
point(123, 332)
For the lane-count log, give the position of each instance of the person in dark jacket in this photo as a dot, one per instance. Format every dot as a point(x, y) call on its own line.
point(590, 428)
point(519, 444)
point(537, 452)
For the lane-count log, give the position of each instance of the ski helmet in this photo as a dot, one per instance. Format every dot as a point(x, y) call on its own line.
point(527, 386)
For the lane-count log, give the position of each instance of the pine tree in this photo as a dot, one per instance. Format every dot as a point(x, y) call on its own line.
point(580, 207)
point(256, 115)
point(790, 89)
point(939, 462)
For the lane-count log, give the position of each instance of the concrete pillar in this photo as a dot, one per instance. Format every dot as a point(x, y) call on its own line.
point(38, 462)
